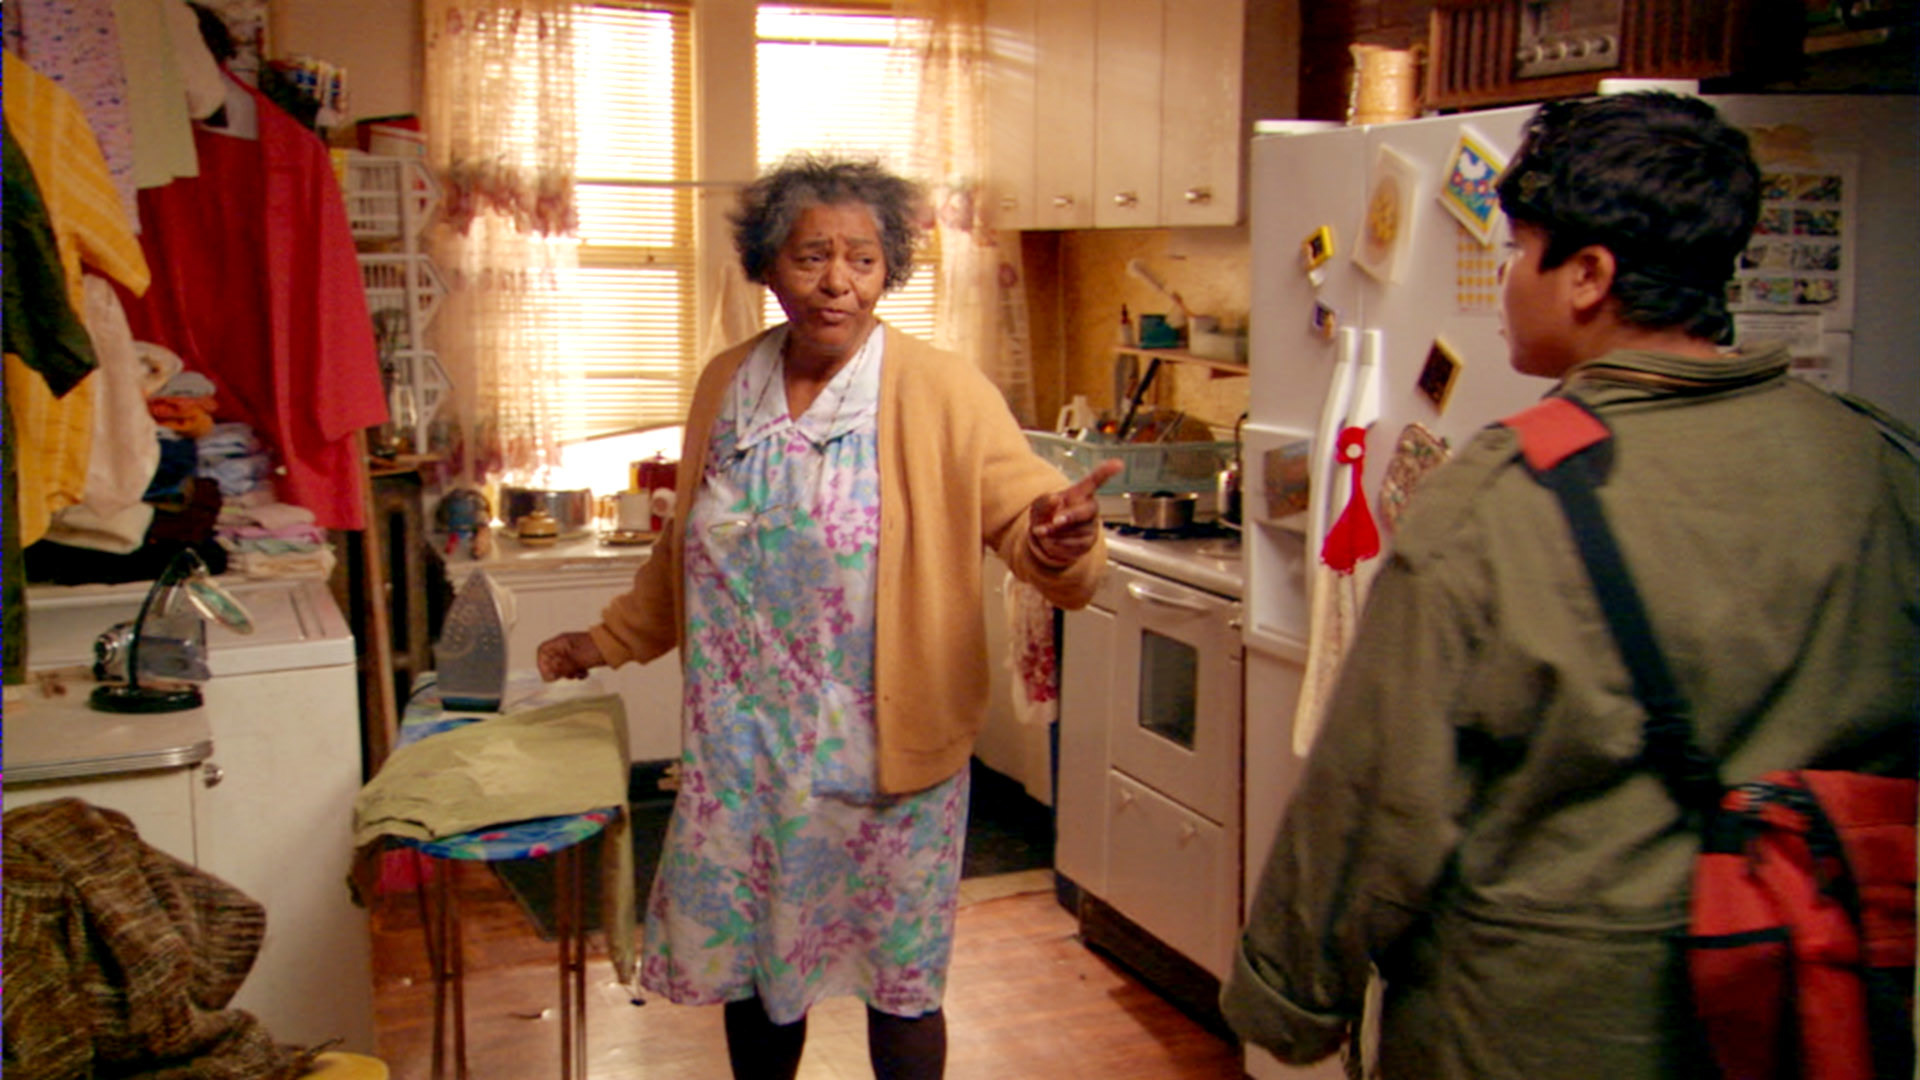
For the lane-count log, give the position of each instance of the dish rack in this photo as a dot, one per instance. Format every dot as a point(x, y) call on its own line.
point(388, 198)
point(390, 201)
point(1177, 467)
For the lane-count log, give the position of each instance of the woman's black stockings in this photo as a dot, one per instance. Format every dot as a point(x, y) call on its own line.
point(902, 1048)
point(758, 1048)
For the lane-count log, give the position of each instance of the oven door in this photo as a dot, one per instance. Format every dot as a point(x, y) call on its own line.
point(1177, 694)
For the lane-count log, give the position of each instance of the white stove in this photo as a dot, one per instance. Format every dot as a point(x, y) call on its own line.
point(1210, 562)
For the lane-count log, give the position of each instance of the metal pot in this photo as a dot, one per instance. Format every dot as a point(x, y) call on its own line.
point(1161, 509)
point(571, 511)
point(1226, 483)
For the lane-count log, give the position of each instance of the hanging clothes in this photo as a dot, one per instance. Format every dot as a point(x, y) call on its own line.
point(55, 433)
point(163, 144)
point(259, 289)
point(42, 332)
point(76, 43)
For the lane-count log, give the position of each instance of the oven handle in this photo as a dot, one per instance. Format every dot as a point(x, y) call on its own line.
point(1141, 591)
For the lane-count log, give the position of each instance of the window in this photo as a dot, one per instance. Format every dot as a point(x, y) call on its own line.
point(636, 279)
point(866, 108)
point(828, 79)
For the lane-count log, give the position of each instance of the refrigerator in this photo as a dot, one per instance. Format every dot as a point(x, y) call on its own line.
point(1375, 305)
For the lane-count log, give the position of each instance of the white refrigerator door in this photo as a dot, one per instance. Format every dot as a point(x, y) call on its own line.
point(1300, 183)
point(1445, 291)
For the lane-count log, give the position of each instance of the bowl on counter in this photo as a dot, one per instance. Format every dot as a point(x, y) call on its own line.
point(571, 511)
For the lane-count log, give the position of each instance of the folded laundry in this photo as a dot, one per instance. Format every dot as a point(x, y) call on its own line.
point(230, 439)
point(235, 475)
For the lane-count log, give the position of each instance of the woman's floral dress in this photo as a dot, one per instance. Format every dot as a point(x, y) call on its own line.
point(785, 874)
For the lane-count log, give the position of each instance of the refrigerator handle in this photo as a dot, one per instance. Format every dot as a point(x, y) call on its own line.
point(1333, 416)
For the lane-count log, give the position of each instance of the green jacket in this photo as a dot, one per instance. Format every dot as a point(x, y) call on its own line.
point(1473, 821)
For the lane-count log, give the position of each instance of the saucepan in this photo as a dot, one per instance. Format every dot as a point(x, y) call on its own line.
point(571, 511)
point(1161, 509)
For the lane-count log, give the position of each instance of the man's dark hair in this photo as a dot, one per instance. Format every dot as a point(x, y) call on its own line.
point(1661, 181)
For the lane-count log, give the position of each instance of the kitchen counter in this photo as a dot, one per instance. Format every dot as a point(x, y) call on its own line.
point(64, 738)
point(508, 553)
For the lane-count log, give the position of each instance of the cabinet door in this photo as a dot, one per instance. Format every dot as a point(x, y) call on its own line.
point(1011, 112)
point(1201, 138)
point(1064, 46)
point(549, 602)
point(159, 803)
point(276, 821)
point(1127, 88)
point(1086, 697)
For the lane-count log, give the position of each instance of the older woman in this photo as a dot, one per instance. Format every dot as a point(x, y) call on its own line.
point(839, 483)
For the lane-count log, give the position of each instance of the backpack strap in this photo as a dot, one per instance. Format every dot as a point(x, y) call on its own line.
point(1569, 449)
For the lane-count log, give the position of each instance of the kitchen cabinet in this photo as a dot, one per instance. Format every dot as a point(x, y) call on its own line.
point(1089, 642)
point(1202, 135)
point(1062, 161)
point(269, 810)
point(1127, 121)
point(1115, 113)
point(1011, 111)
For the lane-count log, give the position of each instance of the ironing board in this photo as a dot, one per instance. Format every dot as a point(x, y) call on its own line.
point(558, 838)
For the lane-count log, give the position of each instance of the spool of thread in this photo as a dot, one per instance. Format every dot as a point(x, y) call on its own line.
point(1385, 85)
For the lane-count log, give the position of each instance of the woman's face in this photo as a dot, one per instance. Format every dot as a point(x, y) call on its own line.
point(827, 277)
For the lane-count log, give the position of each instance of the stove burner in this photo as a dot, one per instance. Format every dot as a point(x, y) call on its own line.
point(1199, 530)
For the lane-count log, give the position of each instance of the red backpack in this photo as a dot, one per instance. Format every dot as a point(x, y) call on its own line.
point(1802, 938)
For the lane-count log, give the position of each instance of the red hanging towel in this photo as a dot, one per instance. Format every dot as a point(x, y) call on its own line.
point(1353, 538)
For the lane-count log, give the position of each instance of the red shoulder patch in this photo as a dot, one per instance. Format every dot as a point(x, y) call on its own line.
point(1555, 430)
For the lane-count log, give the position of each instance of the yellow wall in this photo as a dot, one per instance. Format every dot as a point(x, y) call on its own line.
point(376, 41)
point(1078, 280)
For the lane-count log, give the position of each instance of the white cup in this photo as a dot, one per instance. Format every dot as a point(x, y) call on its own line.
point(633, 511)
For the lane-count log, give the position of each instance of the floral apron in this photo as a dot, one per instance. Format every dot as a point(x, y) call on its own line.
point(785, 874)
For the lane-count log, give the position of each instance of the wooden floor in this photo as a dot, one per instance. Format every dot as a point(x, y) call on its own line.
point(1024, 999)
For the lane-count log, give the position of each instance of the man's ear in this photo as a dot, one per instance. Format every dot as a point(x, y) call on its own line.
point(1590, 279)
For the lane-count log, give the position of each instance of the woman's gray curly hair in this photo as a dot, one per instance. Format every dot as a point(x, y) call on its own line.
point(769, 206)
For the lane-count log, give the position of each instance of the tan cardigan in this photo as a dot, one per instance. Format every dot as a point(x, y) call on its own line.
point(956, 477)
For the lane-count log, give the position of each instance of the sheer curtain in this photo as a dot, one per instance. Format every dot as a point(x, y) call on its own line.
point(982, 311)
point(501, 135)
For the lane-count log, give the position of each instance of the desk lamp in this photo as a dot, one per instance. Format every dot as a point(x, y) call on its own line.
point(171, 630)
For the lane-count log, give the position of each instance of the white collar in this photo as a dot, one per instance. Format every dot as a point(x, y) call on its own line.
point(843, 405)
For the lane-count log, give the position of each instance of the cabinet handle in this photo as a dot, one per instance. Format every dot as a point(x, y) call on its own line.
point(211, 775)
point(1126, 798)
point(1061, 202)
point(1199, 195)
point(1009, 203)
point(1188, 830)
point(1126, 200)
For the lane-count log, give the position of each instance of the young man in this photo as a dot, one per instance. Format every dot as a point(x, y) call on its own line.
point(1476, 820)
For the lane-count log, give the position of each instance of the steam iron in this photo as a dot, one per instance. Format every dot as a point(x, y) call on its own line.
point(471, 655)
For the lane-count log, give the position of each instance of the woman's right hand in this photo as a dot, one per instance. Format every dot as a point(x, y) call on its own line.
point(568, 656)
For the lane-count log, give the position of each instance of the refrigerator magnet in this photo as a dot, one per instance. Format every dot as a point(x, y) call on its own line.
point(1325, 319)
point(1388, 222)
point(1317, 248)
point(1439, 373)
point(1469, 192)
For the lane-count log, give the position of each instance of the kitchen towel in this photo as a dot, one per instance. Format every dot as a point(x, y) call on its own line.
point(1030, 654)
